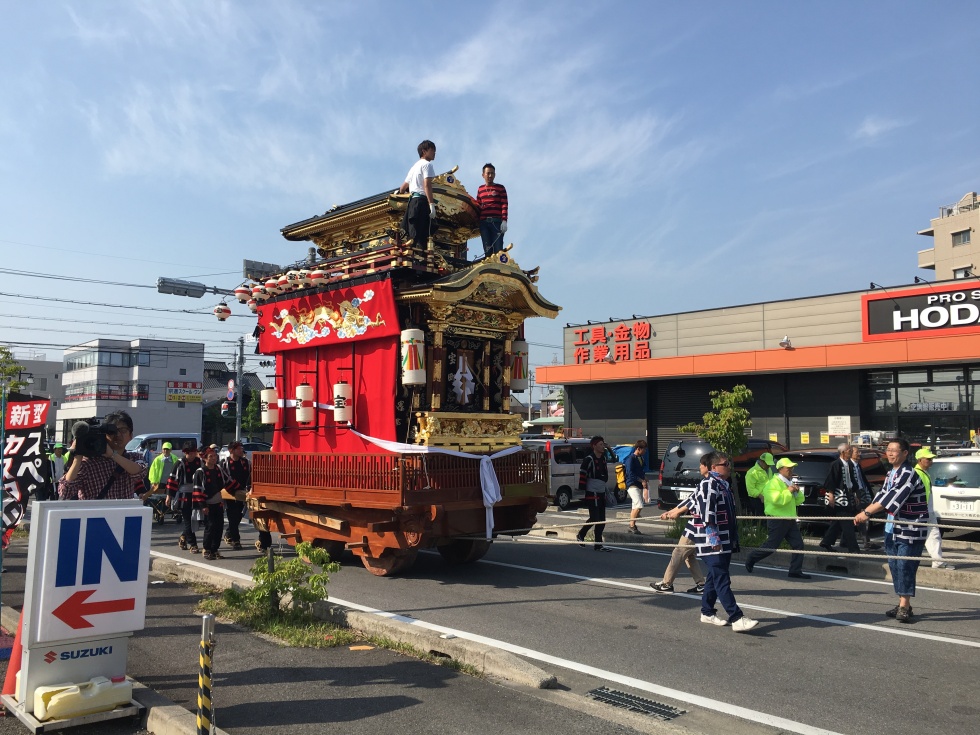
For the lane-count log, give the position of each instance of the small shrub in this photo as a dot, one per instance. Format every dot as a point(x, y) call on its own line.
point(676, 528)
point(296, 577)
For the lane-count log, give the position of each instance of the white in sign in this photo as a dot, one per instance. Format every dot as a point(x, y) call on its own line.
point(839, 425)
point(93, 570)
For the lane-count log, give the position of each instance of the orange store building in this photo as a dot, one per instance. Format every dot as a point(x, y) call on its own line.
point(900, 359)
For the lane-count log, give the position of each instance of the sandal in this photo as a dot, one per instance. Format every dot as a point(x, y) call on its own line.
point(209, 555)
point(195, 550)
point(237, 546)
point(182, 543)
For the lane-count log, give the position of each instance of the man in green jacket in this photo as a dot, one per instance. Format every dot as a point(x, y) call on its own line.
point(163, 464)
point(782, 496)
point(755, 479)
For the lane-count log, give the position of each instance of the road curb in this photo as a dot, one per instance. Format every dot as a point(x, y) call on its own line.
point(161, 716)
point(487, 660)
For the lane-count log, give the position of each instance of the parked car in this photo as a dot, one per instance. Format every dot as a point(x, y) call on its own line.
point(249, 447)
point(956, 489)
point(679, 473)
point(813, 466)
point(565, 458)
point(154, 442)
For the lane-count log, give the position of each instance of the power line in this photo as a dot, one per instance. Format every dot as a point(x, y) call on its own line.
point(53, 277)
point(115, 324)
point(81, 252)
point(117, 306)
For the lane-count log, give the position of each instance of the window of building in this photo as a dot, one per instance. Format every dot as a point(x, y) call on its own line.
point(41, 383)
point(947, 376)
point(961, 238)
point(183, 371)
point(962, 273)
point(881, 377)
point(912, 376)
point(181, 404)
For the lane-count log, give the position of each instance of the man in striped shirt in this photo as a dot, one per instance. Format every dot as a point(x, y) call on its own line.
point(492, 200)
point(714, 530)
point(904, 497)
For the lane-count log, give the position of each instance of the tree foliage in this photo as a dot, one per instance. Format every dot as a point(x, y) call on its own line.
point(301, 579)
point(10, 370)
point(724, 428)
point(252, 416)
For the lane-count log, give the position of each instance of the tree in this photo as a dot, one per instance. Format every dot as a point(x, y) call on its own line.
point(725, 427)
point(252, 416)
point(10, 370)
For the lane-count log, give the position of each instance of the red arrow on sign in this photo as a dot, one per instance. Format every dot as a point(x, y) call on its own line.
point(72, 611)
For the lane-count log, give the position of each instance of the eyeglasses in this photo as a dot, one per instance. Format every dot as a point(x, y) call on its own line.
point(721, 464)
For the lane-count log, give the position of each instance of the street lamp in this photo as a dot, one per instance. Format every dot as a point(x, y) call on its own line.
point(193, 289)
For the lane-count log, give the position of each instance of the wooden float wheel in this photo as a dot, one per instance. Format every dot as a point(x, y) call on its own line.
point(334, 548)
point(464, 551)
point(391, 562)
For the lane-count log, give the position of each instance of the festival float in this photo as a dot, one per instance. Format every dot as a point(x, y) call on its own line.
point(395, 362)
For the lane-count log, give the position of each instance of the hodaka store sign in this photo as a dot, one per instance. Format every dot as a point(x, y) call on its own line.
point(922, 312)
point(621, 343)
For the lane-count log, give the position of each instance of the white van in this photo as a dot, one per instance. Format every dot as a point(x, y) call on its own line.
point(154, 442)
point(565, 459)
point(956, 489)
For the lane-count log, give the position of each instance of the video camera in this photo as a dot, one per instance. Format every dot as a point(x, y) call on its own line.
point(91, 437)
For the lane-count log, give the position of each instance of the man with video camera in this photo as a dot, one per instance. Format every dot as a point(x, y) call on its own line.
point(102, 469)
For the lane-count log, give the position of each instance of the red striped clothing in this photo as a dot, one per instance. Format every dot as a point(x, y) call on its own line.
point(492, 200)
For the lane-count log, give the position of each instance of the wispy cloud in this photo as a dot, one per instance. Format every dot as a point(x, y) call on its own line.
point(92, 33)
point(873, 127)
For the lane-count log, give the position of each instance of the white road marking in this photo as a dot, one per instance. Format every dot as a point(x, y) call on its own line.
point(846, 578)
point(633, 683)
point(201, 565)
point(784, 613)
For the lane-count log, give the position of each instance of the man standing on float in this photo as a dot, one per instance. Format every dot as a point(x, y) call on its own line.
point(421, 203)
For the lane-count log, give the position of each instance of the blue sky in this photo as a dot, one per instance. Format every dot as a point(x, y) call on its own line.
point(659, 156)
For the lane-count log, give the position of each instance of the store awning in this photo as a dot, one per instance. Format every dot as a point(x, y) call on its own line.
point(547, 421)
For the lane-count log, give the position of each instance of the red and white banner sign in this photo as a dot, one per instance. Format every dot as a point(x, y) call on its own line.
point(331, 317)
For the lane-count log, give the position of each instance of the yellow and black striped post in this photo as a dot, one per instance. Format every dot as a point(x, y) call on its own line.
point(205, 710)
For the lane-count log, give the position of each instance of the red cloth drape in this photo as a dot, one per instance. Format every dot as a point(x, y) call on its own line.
point(370, 366)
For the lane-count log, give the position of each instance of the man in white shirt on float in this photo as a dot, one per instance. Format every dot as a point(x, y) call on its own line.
point(421, 208)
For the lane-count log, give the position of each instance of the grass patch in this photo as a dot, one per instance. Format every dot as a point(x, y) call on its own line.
point(299, 628)
point(676, 528)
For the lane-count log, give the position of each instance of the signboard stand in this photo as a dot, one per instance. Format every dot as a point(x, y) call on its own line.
point(134, 709)
point(87, 574)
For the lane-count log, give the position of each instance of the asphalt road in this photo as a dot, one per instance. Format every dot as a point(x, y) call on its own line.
point(824, 657)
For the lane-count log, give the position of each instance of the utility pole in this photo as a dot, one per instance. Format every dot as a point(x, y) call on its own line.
point(239, 383)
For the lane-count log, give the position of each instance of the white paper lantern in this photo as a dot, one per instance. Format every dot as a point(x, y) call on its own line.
point(284, 286)
point(304, 403)
point(253, 306)
point(292, 278)
point(272, 286)
point(222, 311)
point(317, 277)
point(341, 403)
point(304, 278)
point(519, 366)
point(243, 294)
point(269, 404)
point(413, 357)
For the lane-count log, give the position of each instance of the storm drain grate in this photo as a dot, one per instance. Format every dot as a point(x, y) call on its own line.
point(635, 704)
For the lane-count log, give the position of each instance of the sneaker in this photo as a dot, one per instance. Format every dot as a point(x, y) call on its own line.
point(749, 565)
point(237, 546)
point(872, 546)
point(942, 565)
point(829, 549)
point(744, 624)
point(632, 529)
point(697, 589)
point(713, 620)
point(667, 589)
point(798, 575)
point(209, 555)
point(904, 614)
point(894, 612)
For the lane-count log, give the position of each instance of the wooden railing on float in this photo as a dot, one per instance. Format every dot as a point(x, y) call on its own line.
point(391, 472)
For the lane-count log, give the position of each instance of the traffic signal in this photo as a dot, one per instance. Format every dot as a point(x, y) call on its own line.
point(267, 363)
point(224, 409)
